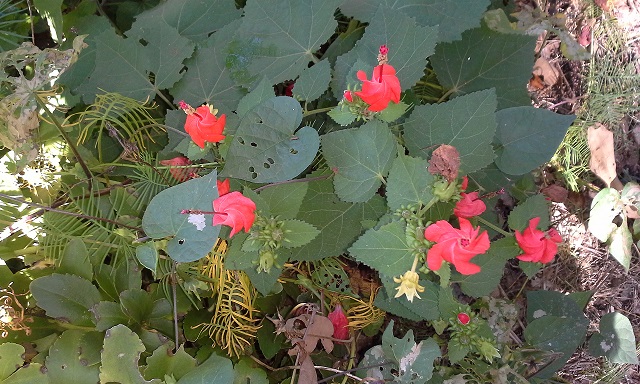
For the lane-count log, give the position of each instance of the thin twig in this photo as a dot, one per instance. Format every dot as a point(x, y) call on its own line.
point(33, 32)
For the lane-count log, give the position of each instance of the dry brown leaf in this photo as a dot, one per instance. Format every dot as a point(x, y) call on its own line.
point(556, 193)
point(546, 71)
point(536, 82)
point(307, 372)
point(585, 36)
point(603, 162)
point(445, 161)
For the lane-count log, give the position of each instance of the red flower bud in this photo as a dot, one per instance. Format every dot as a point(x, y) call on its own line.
point(463, 318)
point(348, 96)
point(340, 323)
point(180, 174)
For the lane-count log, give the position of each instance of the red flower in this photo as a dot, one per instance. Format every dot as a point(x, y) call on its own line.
point(202, 125)
point(348, 96)
point(180, 174)
point(340, 323)
point(463, 318)
point(457, 246)
point(469, 206)
point(223, 187)
point(234, 210)
point(383, 87)
point(538, 246)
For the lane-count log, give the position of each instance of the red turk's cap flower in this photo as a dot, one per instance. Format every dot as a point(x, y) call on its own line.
point(463, 318)
point(383, 87)
point(180, 174)
point(456, 246)
point(202, 125)
point(465, 183)
point(340, 323)
point(234, 210)
point(469, 206)
point(538, 246)
point(223, 187)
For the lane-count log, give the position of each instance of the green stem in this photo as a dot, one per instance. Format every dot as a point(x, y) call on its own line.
point(72, 326)
point(315, 111)
point(494, 227)
point(66, 137)
point(427, 206)
point(445, 96)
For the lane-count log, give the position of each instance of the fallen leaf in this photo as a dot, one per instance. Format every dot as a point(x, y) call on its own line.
point(307, 372)
point(585, 36)
point(536, 82)
point(603, 162)
point(556, 193)
point(546, 71)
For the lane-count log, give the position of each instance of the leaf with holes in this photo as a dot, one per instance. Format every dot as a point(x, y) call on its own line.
point(452, 16)
point(268, 146)
point(278, 38)
point(193, 235)
point(486, 59)
point(74, 358)
point(361, 157)
point(467, 122)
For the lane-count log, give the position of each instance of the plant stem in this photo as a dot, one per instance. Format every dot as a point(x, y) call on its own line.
point(445, 96)
point(494, 227)
point(66, 137)
point(174, 295)
point(315, 111)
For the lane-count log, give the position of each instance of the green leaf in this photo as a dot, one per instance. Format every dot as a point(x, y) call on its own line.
point(285, 200)
point(616, 340)
point(620, 244)
point(528, 137)
point(409, 182)
point(452, 16)
point(59, 296)
point(386, 301)
point(208, 80)
point(342, 115)
point(535, 206)
point(456, 351)
point(267, 148)
point(409, 46)
point(246, 371)
point(393, 112)
point(136, 304)
point(147, 255)
point(108, 314)
point(120, 354)
point(162, 218)
point(486, 59)
point(11, 359)
point(606, 206)
point(261, 93)
point(51, 10)
point(530, 269)
point(265, 283)
point(34, 373)
point(492, 265)
point(69, 358)
point(288, 32)
point(313, 82)
point(75, 260)
point(215, 369)
point(467, 122)
point(124, 276)
point(164, 362)
point(362, 157)
point(425, 308)
point(195, 21)
point(384, 249)
point(298, 233)
point(124, 65)
point(415, 361)
point(270, 343)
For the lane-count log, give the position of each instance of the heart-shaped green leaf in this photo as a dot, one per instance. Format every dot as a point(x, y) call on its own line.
point(193, 235)
point(267, 148)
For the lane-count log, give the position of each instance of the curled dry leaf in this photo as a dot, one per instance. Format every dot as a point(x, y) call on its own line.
point(445, 161)
point(545, 71)
point(603, 162)
point(556, 193)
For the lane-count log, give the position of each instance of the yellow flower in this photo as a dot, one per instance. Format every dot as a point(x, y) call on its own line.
point(408, 285)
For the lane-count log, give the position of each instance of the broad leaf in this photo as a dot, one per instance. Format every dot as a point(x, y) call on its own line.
point(51, 10)
point(616, 340)
point(108, 314)
point(207, 79)
point(194, 20)
point(361, 158)
point(262, 92)
point(534, 206)
point(246, 371)
point(69, 359)
point(192, 238)
point(409, 182)
point(313, 82)
point(486, 59)
point(298, 233)
point(59, 296)
point(268, 146)
point(75, 260)
point(528, 137)
point(492, 264)
point(164, 362)
point(424, 308)
point(339, 223)
point(605, 207)
point(215, 369)
point(620, 244)
point(409, 45)
point(11, 359)
point(467, 122)
point(452, 16)
point(120, 355)
point(285, 200)
point(288, 33)
point(384, 249)
point(265, 283)
point(147, 255)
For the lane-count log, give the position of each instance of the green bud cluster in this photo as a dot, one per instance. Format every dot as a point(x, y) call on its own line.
point(267, 234)
point(469, 335)
point(446, 191)
point(414, 230)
